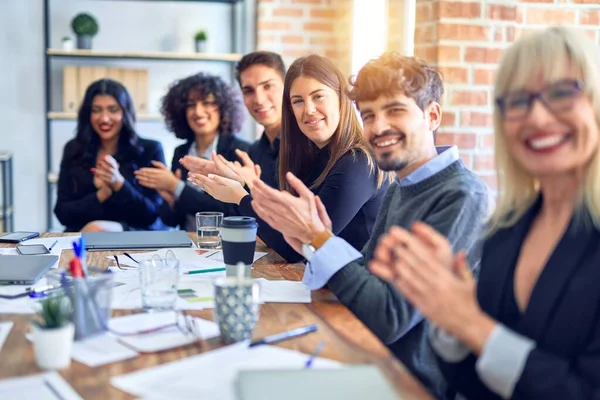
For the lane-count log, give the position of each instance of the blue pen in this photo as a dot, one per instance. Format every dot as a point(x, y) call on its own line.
point(314, 355)
point(285, 335)
point(52, 245)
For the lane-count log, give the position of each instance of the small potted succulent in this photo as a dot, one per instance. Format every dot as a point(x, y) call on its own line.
point(85, 27)
point(67, 43)
point(200, 39)
point(53, 333)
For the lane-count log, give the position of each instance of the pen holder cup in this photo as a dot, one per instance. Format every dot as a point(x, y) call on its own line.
point(237, 307)
point(91, 300)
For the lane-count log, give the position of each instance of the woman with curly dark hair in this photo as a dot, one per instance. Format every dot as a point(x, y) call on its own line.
point(97, 190)
point(206, 112)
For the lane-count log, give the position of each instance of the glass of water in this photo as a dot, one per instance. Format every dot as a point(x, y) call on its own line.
point(159, 279)
point(208, 229)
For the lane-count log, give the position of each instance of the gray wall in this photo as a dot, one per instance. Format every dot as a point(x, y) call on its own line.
point(124, 26)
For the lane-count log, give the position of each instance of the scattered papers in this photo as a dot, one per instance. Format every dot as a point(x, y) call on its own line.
point(100, 350)
point(218, 369)
point(281, 291)
point(21, 305)
point(189, 258)
point(128, 296)
point(5, 328)
point(49, 386)
point(163, 339)
point(62, 243)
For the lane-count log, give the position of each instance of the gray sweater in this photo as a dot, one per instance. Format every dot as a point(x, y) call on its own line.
point(455, 202)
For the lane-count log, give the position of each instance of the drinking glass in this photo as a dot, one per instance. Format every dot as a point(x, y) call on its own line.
point(159, 279)
point(208, 229)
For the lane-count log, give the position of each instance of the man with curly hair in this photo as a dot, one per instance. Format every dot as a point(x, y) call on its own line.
point(207, 112)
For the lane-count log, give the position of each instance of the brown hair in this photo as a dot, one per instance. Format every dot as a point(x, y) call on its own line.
point(392, 73)
point(266, 58)
point(297, 153)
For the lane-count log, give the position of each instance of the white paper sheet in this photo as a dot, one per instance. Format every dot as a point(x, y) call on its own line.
point(281, 291)
point(189, 259)
point(100, 350)
point(211, 375)
point(5, 328)
point(165, 338)
point(21, 305)
point(128, 296)
point(47, 386)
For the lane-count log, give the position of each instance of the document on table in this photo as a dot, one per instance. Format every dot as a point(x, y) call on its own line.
point(218, 370)
point(195, 292)
point(281, 291)
point(20, 305)
point(100, 350)
point(47, 386)
point(163, 339)
point(189, 259)
point(5, 328)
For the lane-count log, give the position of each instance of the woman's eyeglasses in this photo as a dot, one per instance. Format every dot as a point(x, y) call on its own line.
point(186, 324)
point(556, 97)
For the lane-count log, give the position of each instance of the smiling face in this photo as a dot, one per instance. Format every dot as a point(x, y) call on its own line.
point(550, 126)
point(316, 108)
point(106, 117)
point(203, 115)
point(262, 88)
point(399, 132)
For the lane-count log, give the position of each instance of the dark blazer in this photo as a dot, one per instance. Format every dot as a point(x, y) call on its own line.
point(562, 316)
point(192, 201)
point(350, 194)
point(133, 206)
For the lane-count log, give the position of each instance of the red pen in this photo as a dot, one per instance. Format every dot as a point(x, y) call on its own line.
point(76, 270)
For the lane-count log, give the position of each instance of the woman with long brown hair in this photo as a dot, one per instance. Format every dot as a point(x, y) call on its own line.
point(321, 144)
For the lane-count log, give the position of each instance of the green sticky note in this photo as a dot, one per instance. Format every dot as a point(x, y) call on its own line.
point(199, 299)
point(186, 291)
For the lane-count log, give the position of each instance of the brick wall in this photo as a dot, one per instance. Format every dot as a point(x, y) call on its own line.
point(465, 39)
point(296, 28)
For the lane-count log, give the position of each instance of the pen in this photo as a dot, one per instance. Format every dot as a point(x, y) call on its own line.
point(202, 271)
point(52, 245)
point(314, 355)
point(285, 335)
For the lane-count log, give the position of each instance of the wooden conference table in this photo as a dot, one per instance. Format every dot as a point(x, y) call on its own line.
point(347, 339)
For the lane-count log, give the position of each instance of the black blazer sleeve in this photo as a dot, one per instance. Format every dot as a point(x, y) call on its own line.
point(77, 203)
point(139, 205)
point(347, 187)
point(191, 201)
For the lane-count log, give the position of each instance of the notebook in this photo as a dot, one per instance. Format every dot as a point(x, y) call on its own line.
point(352, 383)
point(135, 240)
point(24, 270)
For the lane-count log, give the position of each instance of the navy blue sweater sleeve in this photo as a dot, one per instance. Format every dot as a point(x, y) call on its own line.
point(347, 187)
point(73, 207)
point(140, 204)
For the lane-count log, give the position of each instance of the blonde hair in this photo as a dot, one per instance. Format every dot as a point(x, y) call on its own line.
point(547, 52)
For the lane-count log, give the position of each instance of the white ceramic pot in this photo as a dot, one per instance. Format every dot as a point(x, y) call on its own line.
point(201, 46)
point(52, 347)
point(68, 44)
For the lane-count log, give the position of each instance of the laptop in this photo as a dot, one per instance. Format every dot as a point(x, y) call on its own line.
point(349, 383)
point(24, 270)
point(135, 240)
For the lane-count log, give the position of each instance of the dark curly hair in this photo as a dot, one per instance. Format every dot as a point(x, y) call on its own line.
point(229, 100)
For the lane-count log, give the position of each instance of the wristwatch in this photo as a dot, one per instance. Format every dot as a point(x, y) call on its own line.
point(308, 249)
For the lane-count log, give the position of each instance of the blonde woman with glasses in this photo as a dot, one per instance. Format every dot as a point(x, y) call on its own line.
point(530, 328)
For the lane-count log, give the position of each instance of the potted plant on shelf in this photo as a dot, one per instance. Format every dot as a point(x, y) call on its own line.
point(200, 39)
point(67, 43)
point(53, 334)
point(85, 27)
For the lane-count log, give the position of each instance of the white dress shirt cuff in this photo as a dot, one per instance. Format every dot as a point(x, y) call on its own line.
point(503, 359)
point(178, 190)
point(334, 255)
point(447, 346)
